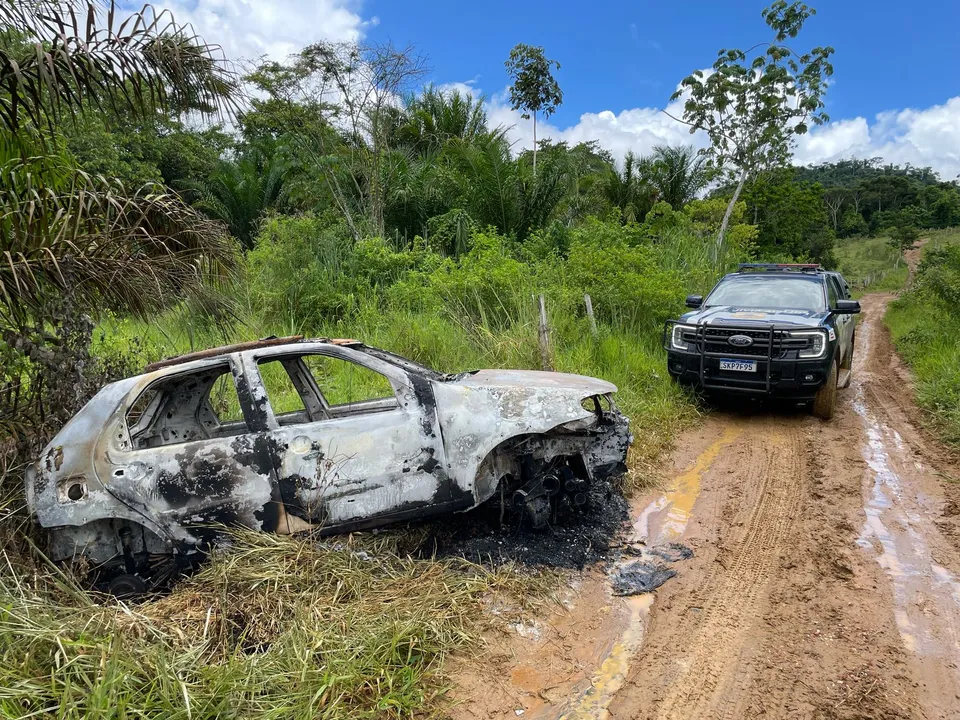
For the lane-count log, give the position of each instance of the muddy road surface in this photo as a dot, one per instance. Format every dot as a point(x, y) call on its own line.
point(825, 581)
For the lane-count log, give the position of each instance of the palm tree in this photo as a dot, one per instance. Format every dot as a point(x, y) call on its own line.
point(68, 60)
point(70, 55)
point(678, 173)
point(239, 192)
point(436, 116)
point(497, 190)
point(62, 230)
point(628, 188)
point(72, 243)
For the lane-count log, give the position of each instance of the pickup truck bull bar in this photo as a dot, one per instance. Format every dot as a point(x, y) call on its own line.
point(709, 340)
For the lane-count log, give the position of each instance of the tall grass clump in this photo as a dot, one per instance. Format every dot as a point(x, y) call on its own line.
point(274, 627)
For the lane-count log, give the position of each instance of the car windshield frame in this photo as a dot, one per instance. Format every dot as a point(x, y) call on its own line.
point(766, 281)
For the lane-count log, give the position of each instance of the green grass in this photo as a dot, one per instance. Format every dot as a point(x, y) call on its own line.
point(926, 332)
point(276, 627)
point(870, 265)
point(941, 238)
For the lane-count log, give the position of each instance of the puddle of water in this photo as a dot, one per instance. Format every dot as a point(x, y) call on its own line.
point(609, 678)
point(909, 565)
point(680, 500)
point(677, 504)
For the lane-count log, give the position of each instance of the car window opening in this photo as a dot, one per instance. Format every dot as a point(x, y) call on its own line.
point(314, 387)
point(185, 407)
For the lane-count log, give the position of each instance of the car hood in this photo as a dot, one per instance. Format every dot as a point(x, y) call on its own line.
point(728, 315)
point(534, 380)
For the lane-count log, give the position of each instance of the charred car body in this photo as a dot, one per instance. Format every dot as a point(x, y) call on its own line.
point(270, 435)
point(768, 330)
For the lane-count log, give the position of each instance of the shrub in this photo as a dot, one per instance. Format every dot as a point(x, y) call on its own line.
point(298, 270)
point(627, 283)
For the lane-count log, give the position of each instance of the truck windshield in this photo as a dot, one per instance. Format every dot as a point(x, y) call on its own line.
point(768, 291)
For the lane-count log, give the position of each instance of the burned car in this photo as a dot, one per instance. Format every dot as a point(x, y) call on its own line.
point(289, 435)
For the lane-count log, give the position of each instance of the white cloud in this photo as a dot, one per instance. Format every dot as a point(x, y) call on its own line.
point(834, 141)
point(637, 130)
point(928, 137)
point(249, 29)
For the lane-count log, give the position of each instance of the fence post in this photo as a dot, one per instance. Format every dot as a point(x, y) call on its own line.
point(544, 337)
point(593, 320)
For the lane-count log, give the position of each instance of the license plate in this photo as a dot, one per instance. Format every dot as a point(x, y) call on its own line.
point(739, 365)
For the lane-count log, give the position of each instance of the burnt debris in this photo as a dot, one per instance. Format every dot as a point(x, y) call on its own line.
point(575, 535)
point(653, 568)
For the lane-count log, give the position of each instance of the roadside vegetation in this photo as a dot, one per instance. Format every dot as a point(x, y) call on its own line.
point(871, 264)
point(925, 324)
point(350, 199)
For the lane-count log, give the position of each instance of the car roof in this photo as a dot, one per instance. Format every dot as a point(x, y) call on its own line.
point(223, 350)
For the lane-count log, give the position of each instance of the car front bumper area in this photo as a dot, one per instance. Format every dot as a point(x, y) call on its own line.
point(779, 372)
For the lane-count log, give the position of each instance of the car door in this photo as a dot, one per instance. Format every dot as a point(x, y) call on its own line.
point(843, 324)
point(348, 460)
point(193, 458)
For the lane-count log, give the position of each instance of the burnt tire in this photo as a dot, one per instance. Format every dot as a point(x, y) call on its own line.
point(825, 401)
point(126, 586)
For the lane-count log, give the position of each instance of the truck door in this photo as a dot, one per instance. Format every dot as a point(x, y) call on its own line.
point(843, 324)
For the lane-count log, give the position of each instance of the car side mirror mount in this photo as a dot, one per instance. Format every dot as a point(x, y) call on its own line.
point(847, 307)
point(695, 301)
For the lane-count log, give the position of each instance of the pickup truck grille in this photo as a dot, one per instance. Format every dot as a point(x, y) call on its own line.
point(715, 340)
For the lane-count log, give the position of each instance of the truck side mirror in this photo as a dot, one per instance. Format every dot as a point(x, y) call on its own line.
point(847, 307)
point(695, 301)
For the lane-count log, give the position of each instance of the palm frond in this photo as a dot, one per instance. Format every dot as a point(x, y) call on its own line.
point(74, 54)
point(678, 173)
point(63, 229)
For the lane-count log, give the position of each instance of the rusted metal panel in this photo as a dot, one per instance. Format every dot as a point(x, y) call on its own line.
point(443, 443)
point(222, 350)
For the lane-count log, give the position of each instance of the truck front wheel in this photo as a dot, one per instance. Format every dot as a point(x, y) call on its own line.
point(825, 401)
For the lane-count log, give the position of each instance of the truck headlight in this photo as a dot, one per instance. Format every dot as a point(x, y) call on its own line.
point(818, 344)
point(676, 337)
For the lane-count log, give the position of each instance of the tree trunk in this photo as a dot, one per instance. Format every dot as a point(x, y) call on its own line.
point(729, 212)
point(534, 143)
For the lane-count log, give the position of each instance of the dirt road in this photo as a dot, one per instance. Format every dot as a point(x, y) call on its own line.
point(824, 582)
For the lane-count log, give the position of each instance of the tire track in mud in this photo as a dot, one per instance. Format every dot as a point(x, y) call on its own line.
point(903, 502)
point(781, 614)
point(739, 597)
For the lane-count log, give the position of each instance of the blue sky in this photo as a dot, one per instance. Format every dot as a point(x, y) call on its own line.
point(895, 93)
point(617, 55)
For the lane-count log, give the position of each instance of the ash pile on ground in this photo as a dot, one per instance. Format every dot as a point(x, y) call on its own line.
point(576, 537)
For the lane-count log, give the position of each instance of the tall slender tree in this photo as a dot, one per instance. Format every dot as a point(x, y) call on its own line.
point(534, 89)
point(754, 103)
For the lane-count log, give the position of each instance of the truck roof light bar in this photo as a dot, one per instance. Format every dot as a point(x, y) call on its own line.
point(782, 267)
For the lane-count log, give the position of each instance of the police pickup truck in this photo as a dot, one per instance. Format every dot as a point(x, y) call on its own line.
point(768, 330)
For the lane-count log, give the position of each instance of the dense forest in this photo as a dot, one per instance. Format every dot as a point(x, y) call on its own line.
point(339, 185)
